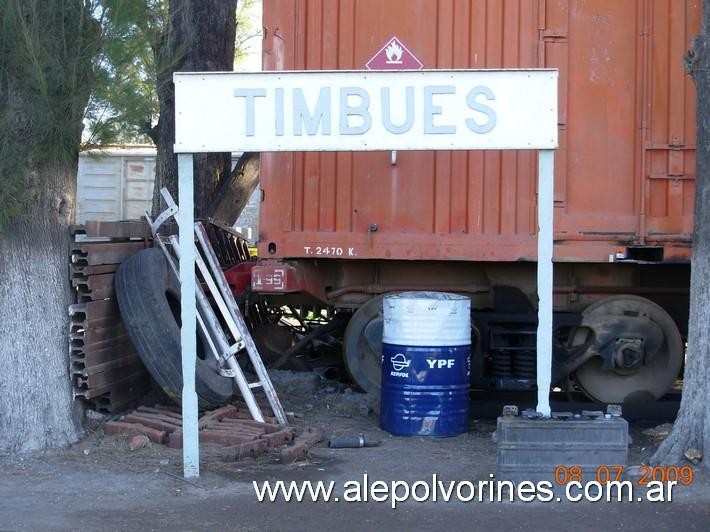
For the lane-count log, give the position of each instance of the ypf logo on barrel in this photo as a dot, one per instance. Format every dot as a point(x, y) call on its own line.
point(441, 363)
point(399, 362)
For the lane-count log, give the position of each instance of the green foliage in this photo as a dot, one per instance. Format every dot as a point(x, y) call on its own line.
point(46, 73)
point(124, 104)
point(247, 28)
point(57, 54)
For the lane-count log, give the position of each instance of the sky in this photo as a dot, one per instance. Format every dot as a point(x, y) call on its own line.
point(252, 63)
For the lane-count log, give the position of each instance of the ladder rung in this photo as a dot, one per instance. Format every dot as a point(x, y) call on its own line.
point(255, 385)
point(235, 348)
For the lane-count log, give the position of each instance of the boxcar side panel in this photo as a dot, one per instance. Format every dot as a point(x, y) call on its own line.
point(624, 171)
point(669, 141)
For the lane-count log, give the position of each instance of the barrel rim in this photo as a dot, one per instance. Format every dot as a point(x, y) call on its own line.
point(428, 295)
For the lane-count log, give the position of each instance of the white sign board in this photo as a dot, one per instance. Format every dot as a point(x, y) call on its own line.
point(362, 111)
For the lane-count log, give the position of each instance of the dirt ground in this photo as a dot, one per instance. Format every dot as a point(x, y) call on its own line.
point(98, 484)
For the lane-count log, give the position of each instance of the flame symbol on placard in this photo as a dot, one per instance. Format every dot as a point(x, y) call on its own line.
point(394, 53)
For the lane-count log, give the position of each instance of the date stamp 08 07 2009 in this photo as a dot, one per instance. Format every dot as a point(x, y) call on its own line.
point(614, 473)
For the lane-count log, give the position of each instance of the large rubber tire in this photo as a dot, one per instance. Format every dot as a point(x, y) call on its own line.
point(148, 294)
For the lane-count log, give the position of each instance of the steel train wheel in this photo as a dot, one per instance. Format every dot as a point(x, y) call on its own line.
point(362, 345)
point(651, 380)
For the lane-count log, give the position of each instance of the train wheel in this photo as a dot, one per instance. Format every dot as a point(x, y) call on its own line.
point(362, 345)
point(650, 378)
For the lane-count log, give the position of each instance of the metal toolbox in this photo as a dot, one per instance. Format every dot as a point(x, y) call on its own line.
point(532, 448)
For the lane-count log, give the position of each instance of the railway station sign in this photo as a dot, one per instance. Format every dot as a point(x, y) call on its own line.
point(361, 111)
point(366, 111)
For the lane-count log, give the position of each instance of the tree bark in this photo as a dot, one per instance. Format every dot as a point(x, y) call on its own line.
point(200, 37)
point(36, 406)
point(234, 192)
point(691, 429)
point(47, 50)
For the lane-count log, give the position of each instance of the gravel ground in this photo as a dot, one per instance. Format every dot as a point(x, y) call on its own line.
point(98, 484)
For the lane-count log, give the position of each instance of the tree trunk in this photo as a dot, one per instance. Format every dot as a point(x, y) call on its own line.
point(47, 48)
point(200, 37)
point(234, 192)
point(36, 406)
point(692, 426)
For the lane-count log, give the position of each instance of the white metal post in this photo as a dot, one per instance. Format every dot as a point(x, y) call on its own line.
point(545, 213)
point(188, 317)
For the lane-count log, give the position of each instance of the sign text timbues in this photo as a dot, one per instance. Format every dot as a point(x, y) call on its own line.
point(354, 109)
point(276, 111)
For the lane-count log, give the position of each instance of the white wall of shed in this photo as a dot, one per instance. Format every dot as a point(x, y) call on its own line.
point(117, 184)
point(114, 186)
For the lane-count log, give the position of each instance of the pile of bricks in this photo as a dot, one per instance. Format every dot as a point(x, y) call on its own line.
point(229, 426)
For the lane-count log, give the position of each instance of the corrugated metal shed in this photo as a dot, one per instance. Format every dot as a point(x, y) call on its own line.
point(115, 184)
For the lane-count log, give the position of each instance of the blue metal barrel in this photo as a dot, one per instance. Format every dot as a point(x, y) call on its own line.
point(426, 361)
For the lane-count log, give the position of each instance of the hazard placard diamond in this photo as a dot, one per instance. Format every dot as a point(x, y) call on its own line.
point(394, 55)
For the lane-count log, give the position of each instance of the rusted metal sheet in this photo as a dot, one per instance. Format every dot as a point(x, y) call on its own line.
point(93, 287)
point(93, 314)
point(96, 253)
point(122, 393)
point(101, 375)
point(117, 230)
point(668, 159)
point(104, 368)
point(229, 245)
point(79, 271)
point(624, 170)
point(101, 353)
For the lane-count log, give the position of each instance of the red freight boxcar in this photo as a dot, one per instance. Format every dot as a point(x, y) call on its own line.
point(338, 230)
